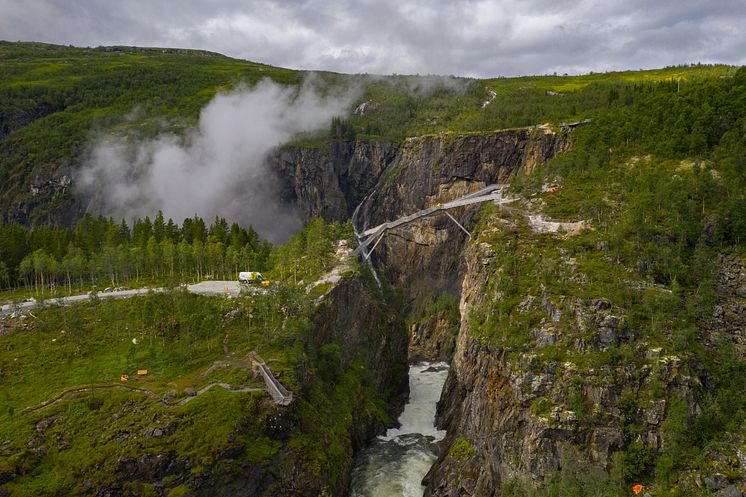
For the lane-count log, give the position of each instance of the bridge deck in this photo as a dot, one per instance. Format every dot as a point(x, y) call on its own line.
point(486, 194)
point(276, 390)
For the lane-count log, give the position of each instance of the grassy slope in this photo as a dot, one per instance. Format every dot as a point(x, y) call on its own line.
point(52, 98)
point(179, 337)
point(664, 201)
point(86, 442)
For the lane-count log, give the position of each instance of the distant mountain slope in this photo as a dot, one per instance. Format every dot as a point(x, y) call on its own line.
point(53, 99)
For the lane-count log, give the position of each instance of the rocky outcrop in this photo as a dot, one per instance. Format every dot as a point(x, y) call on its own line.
point(330, 181)
point(439, 168)
point(728, 322)
point(46, 197)
point(432, 338)
point(521, 408)
point(370, 334)
point(424, 258)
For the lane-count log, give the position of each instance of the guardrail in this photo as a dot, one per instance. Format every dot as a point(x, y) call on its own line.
point(489, 193)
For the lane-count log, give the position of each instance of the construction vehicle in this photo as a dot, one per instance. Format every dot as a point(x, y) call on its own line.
point(253, 278)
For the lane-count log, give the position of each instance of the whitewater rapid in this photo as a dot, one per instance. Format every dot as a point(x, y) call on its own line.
point(394, 464)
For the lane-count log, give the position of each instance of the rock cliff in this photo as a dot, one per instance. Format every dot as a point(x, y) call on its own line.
point(370, 335)
point(585, 382)
point(371, 339)
point(389, 182)
point(424, 258)
point(330, 181)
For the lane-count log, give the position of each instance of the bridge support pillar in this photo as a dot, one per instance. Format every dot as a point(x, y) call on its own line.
point(375, 245)
point(458, 224)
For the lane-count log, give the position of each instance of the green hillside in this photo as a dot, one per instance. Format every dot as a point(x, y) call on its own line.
point(71, 423)
point(655, 178)
point(53, 99)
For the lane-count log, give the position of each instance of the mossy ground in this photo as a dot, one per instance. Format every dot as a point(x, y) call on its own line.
point(649, 256)
point(109, 436)
point(179, 337)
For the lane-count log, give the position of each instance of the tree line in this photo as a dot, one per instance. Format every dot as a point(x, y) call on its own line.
point(100, 251)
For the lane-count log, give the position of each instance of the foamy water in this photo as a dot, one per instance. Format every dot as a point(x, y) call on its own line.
point(394, 464)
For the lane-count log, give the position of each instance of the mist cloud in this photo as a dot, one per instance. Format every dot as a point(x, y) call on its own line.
point(426, 84)
point(217, 168)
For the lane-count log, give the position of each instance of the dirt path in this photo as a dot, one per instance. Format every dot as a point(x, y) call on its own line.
point(74, 392)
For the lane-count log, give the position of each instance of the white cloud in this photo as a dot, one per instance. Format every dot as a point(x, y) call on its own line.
point(219, 168)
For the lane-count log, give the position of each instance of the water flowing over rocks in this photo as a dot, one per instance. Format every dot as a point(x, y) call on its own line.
point(394, 464)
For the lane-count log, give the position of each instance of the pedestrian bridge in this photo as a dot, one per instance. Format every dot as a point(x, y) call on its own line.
point(373, 236)
point(280, 394)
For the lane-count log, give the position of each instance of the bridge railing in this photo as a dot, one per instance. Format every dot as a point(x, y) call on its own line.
point(489, 193)
point(280, 394)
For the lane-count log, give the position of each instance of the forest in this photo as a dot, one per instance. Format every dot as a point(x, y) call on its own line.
point(100, 253)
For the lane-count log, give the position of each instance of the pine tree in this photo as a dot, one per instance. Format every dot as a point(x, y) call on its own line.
point(159, 227)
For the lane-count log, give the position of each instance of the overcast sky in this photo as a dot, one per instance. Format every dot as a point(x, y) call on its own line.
point(462, 37)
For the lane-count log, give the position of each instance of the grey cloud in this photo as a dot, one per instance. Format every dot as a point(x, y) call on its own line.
point(469, 38)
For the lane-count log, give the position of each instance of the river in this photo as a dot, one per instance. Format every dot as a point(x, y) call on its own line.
point(394, 464)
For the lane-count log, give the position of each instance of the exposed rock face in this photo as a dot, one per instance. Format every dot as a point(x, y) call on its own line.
point(440, 168)
point(520, 411)
point(330, 181)
point(327, 181)
point(32, 202)
point(370, 333)
point(728, 322)
point(424, 258)
point(36, 189)
point(432, 338)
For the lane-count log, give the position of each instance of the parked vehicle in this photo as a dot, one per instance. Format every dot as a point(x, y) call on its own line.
point(253, 278)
